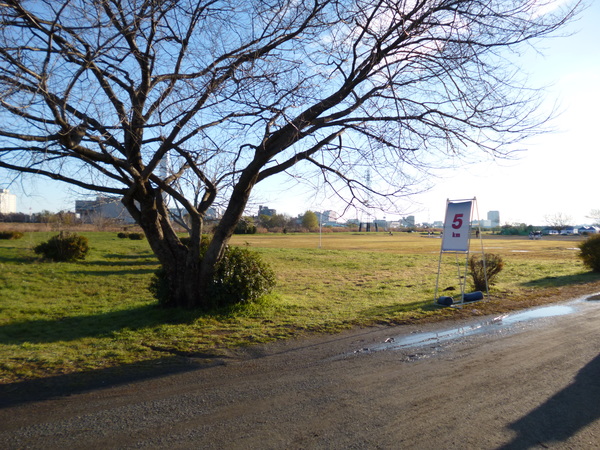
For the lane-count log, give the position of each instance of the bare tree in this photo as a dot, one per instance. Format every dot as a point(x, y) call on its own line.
point(558, 221)
point(595, 216)
point(195, 102)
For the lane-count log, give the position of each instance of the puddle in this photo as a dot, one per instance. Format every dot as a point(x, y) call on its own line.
point(498, 323)
point(493, 324)
point(539, 313)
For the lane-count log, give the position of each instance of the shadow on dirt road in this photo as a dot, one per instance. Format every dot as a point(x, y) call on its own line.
point(563, 414)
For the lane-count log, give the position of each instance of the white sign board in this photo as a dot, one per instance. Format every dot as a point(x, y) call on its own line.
point(457, 227)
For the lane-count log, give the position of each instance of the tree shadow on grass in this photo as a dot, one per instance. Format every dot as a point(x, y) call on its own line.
point(565, 280)
point(16, 257)
point(562, 415)
point(125, 261)
point(102, 273)
point(118, 263)
point(99, 325)
point(145, 259)
point(389, 310)
point(70, 328)
point(130, 257)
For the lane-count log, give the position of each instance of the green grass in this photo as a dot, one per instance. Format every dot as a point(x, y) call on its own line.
point(58, 318)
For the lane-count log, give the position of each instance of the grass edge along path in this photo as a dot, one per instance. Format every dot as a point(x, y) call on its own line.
point(64, 318)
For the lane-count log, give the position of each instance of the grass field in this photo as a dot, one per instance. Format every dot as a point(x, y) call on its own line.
point(58, 318)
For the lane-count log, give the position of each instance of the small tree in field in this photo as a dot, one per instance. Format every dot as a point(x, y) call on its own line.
point(188, 105)
point(310, 221)
point(484, 270)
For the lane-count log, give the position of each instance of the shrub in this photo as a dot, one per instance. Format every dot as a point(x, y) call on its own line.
point(64, 247)
point(240, 277)
point(590, 252)
point(480, 271)
point(245, 226)
point(132, 236)
point(11, 235)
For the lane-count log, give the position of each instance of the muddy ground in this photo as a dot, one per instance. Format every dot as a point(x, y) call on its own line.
point(528, 381)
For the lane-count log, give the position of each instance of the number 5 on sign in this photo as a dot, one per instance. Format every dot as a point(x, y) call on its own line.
point(457, 227)
point(457, 223)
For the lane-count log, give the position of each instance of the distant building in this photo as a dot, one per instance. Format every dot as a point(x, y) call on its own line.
point(569, 231)
point(8, 202)
point(102, 208)
point(329, 216)
point(212, 213)
point(588, 230)
point(494, 218)
point(408, 221)
point(265, 211)
point(486, 223)
point(550, 231)
point(492, 221)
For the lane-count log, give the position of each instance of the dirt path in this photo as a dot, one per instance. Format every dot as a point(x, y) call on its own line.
point(532, 384)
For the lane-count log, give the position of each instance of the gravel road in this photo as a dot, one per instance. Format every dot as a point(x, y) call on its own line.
point(510, 382)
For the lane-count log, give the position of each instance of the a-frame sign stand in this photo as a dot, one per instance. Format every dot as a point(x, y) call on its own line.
point(456, 240)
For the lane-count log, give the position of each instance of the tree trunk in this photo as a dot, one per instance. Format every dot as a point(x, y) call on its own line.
point(180, 263)
point(187, 277)
point(182, 278)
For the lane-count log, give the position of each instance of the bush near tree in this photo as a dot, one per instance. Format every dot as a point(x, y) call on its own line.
point(66, 247)
point(486, 268)
point(590, 252)
point(241, 277)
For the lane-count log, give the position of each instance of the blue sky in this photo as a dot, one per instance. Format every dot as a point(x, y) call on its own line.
point(557, 174)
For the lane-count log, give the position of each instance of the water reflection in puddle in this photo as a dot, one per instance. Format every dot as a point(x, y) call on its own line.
point(494, 324)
